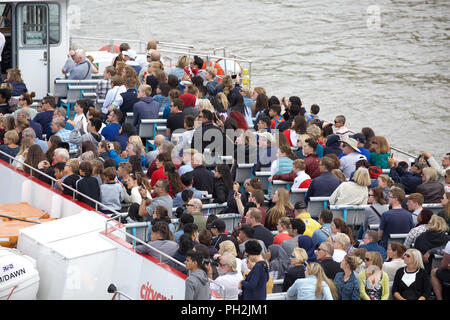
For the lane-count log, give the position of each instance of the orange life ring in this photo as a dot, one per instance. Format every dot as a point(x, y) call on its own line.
point(216, 66)
point(108, 48)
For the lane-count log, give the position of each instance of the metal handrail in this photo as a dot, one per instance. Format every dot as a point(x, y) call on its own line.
point(393, 148)
point(162, 254)
point(96, 202)
point(53, 181)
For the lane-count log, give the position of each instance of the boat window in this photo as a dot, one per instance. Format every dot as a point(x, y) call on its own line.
point(55, 23)
point(34, 19)
point(35, 27)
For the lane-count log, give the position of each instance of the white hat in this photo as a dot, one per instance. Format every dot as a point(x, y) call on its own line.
point(130, 53)
point(351, 142)
point(267, 135)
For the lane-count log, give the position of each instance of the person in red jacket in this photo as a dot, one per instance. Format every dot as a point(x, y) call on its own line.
point(159, 172)
point(312, 160)
point(274, 113)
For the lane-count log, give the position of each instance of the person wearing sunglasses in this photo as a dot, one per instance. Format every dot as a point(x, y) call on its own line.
point(412, 282)
point(374, 282)
point(298, 259)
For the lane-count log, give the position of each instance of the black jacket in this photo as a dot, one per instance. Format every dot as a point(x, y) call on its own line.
point(206, 137)
point(430, 239)
point(220, 191)
point(70, 181)
point(332, 146)
point(263, 234)
point(330, 267)
point(291, 275)
point(203, 179)
point(129, 99)
point(89, 187)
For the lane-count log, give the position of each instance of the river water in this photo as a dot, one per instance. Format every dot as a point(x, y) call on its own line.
point(383, 64)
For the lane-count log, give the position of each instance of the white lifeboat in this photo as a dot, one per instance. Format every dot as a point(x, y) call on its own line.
point(19, 278)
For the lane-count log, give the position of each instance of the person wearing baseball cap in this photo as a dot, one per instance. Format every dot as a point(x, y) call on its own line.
point(351, 153)
point(301, 212)
point(217, 228)
point(130, 59)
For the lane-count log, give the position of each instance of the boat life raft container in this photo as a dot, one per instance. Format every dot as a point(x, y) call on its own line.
point(19, 278)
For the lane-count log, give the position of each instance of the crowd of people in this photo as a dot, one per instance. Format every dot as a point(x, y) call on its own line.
point(102, 157)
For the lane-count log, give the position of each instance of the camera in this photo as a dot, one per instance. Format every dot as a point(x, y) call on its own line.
point(211, 262)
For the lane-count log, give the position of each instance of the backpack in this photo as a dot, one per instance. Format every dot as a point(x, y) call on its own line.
point(278, 121)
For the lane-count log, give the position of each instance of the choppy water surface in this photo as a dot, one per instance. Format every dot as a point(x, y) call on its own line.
point(382, 64)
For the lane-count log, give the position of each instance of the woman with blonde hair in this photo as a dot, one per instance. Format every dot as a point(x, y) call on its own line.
point(223, 105)
point(206, 105)
point(411, 282)
point(435, 236)
point(374, 282)
point(283, 208)
point(353, 192)
point(138, 140)
point(431, 189)
point(14, 77)
point(178, 71)
point(380, 152)
point(21, 156)
point(229, 247)
point(298, 258)
point(10, 145)
point(227, 85)
point(316, 285)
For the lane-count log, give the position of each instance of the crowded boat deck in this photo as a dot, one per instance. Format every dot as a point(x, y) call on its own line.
point(172, 164)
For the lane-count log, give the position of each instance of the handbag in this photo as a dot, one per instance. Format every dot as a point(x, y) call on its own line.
point(376, 211)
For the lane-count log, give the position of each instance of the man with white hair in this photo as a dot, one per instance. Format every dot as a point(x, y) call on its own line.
point(59, 129)
point(30, 134)
point(203, 178)
point(77, 66)
point(60, 155)
point(229, 277)
point(340, 241)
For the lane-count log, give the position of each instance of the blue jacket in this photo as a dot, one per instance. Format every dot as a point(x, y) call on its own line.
point(178, 201)
point(410, 180)
point(347, 290)
point(285, 165)
point(254, 286)
point(111, 131)
point(18, 88)
point(146, 108)
point(113, 155)
point(375, 247)
point(37, 128)
point(305, 289)
point(322, 186)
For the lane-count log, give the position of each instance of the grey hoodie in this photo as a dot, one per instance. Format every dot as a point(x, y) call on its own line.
point(197, 286)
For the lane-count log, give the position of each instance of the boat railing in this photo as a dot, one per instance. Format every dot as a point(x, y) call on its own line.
point(392, 148)
point(114, 216)
point(172, 51)
point(142, 45)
